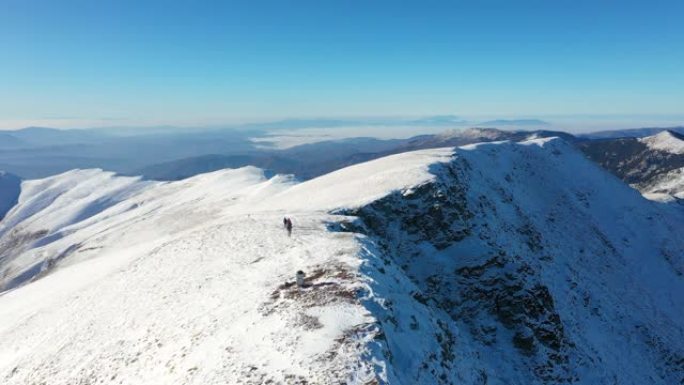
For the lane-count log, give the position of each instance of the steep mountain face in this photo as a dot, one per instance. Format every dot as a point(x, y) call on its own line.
point(652, 164)
point(546, 281)
point(47, 210)
point(10, 187)
point(666, 187)
point(499, 263)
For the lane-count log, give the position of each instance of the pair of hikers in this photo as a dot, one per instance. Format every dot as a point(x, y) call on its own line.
point(287, 223)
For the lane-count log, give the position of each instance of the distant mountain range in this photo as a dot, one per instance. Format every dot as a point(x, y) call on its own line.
point(38, 152)
point(514, 122)
point(630, 133)
point(312, 160)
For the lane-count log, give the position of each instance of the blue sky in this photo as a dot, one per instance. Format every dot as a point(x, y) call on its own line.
point(88, 63)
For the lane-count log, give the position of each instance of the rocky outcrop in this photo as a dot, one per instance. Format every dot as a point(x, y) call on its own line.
point(502, 288)
point(522, 286)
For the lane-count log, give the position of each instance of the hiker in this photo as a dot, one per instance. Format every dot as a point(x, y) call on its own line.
point(288, 226)
point(300, 278)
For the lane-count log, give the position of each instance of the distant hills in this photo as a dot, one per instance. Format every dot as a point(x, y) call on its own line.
point(36, 152)
point(515, 122)
point(630, 133)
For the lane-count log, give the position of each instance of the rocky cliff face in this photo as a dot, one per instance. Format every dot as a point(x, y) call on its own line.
point(528, 277)
point(10, 188)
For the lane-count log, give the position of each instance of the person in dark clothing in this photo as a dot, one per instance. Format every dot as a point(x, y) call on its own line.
point(288, 226)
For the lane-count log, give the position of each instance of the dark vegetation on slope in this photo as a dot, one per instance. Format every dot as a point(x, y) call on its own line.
point(499, 272)
point(627, 158)
point(173, 154)
point(499, 286)
point(631, 160)
point(311, 160)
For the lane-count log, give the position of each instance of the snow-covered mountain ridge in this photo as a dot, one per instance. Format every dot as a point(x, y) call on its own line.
point(653, 165)
point(499, 263)
point(548, 281)
point(669, 185)
point(665, 141)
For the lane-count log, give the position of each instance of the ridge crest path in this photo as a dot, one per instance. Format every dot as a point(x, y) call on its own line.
point(200, 310)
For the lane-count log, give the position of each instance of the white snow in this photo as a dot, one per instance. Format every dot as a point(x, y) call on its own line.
point(363, 183)
point(173, 282)
point(668, 187)
point(664, 141)
point(192, 282)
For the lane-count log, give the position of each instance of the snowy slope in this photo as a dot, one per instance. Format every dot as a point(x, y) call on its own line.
point(498, 263)
point(550, 269)
point(665, 141)
point(652, 164)
point(668, 186)
point(50, 209)
point(190, 278)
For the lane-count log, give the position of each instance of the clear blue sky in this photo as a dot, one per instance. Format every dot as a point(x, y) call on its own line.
point(203, 62)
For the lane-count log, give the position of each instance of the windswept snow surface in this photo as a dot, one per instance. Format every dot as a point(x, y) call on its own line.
point(669, 186)
point(665, 141)
point(190, 281)
point(501, 263)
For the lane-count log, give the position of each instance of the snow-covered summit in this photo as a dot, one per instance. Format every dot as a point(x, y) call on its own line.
point(363, 183)
point(667, 186)
point(665, 141)
point(499, 263)
point(652, 165)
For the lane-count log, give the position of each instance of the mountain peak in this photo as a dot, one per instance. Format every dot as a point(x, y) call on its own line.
point(665, 140)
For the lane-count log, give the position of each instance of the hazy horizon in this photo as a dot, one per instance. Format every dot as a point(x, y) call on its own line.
point(416, 124)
